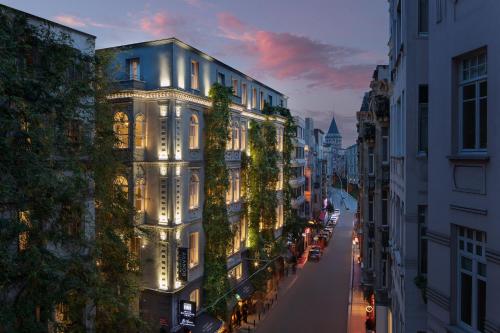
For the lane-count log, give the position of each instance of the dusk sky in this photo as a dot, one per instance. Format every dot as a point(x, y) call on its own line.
point(320, 53)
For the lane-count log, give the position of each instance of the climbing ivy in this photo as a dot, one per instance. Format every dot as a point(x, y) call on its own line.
point(53, 148)
point(215, 219)
point(263, 173)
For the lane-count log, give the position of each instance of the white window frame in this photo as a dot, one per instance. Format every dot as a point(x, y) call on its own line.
point(475, 260)
point(476, 80)
point(244, 94)
point(194, 191)
point(194, 129)
point(195, 75)
point(194, 249)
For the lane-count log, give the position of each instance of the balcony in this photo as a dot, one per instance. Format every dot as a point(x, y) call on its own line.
point(296, 182)
point(130, 85)
point(381, 107)
point(232, 155)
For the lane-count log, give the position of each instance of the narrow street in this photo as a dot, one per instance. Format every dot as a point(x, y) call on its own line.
point(317, 301)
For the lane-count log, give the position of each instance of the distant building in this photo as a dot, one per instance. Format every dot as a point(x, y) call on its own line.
point(320, 179)
point(298, 165)
point(351, 162)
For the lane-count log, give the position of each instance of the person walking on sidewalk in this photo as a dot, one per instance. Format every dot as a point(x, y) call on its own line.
point(244, 311)
point(238, 317)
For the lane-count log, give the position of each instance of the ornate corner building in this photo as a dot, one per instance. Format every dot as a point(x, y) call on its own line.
point(161, 96)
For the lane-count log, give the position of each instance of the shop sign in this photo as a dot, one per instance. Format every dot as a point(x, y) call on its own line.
point(187, 312)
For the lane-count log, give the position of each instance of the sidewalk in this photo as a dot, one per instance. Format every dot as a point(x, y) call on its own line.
point(284, 285)
point(357, 311)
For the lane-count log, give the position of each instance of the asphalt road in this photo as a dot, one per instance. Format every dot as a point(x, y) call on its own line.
point(317, 301)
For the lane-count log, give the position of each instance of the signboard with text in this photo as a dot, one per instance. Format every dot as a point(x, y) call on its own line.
point(187, 312)
point(182, 264)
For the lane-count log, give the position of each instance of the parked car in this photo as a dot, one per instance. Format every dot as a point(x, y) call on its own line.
point(315, 253)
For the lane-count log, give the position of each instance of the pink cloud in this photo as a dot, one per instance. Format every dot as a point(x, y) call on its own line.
point(289, 56)
point(70, 20)
point(161, 24)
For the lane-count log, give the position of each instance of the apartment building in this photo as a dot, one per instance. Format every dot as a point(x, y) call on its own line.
point(351, 164)
point(310, 157)
point(408, 65)
point(373, 120)
point(298, 166)
point(159, 107)
point(462, 237)
point(320, 180)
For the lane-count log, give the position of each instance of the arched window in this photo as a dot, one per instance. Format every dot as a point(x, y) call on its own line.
point(236, 186)
point(193, 132)
point(194, 191)
point(120, 127)
point(139, 131)
point(236, 137)
point(140, 186)
point(243, 136)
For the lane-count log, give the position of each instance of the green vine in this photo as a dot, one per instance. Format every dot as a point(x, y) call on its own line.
point(215, 219)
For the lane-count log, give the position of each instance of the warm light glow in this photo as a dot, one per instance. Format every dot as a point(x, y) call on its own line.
point(178, 234)
point(177, 170)
point(163, 219)
point(163, 110)
point(177, 284)
point(163, 170)
point(206, 78)
point(164, 71)
point(181, 72)
point(162, 155)
point(163, 235)
point(177, 111)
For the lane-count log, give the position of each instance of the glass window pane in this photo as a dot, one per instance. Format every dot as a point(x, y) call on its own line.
point(469, 125)
point(483, 123)
point(483, 89)
point(461, 245)
point(466, 264)
point(481, 304)
point(466, 299)
point(481, 269)
point(462, 231)
point(469, 91)
point(479, 250)
point(470, 248)
point(470, 234)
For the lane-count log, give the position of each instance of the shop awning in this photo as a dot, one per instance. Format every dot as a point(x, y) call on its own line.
point(205, 323)
point(245, 291)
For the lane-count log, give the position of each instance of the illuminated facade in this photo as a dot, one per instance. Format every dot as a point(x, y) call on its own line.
point(298, 166)
point(162, 95)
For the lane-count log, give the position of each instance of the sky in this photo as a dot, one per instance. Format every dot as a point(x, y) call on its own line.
point(319, 53)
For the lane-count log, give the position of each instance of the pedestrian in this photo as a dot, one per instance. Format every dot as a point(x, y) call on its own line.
point(245, 312)
point(238, 317)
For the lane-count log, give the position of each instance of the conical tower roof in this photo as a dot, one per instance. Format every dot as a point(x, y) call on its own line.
point(333, 127)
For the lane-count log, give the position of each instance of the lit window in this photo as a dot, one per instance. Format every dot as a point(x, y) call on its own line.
point(139, 131)
point(243, 229)
point(229, 192)
point(24, 235)
point(244, 94)
point(194, 249)
point(236, 240)
point(61, 313)
point(134, 69)
point(236, 137)
point(261, 98)
point(194, 190)
point(254, 98)
point(229, 142)
point(194, 296)
point(473, 92)
point(134, 247)
point(139, 195)
point(120, 128)
point(235, 87)
point(193, 132)
point(236, 186)
point(195, 81)
point(236, 273)
point(243, 136)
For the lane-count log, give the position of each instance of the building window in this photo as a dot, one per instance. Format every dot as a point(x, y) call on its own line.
point(423, 17)
point(120, 128)
point(254, 98)
point(236, 273)
point(270, 100)
point(23, 238)
point(236, 240)
point(229, 192)
point(370, 207)
point(236, 186)
point(243, 229)
point(134, 69)
point(236, 136)
point(193, 132)
point(221, 78)
point(473, 89)
point(235, 87)
point(439, 11)
point(194, 296)
point(61, 313)
point(422, 239)
point(261, 98)
point(384, 207)
point(193, 249)
point(423, 100)
point(243, 136)
point(472, 278)
point(139, 131)
point(195, 78)
point(194, 191)
point(244, 94)
point(139, 195)
point(371, 162)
